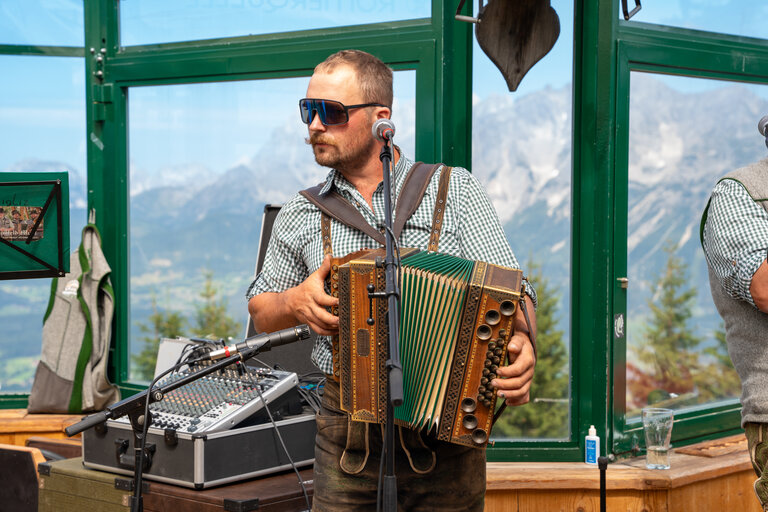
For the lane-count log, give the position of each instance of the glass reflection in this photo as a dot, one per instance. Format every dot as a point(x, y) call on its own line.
point(149, 21)
point(736, 17)
point(42, 128)
point(676, 354)
point(42, 23)
point(204, 160)
point(523, 138)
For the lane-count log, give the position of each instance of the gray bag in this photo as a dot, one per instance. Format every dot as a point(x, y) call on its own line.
point(72, 374)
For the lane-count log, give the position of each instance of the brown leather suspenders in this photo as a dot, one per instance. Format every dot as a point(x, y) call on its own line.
point(333, 205)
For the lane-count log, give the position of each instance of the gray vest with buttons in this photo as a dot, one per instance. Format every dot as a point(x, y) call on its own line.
point(746, 327)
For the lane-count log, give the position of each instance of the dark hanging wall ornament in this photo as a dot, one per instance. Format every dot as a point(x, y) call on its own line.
point(515, 34)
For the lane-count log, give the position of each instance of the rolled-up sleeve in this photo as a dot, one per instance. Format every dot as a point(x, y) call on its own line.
point(284, 264)
point(735, 237)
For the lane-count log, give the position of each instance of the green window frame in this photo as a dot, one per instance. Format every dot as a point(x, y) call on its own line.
point(670, 51)
point(436, 48)
point(658, 49)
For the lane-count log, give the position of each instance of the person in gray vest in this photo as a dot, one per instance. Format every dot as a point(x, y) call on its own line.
point(347, 93)
point(734, 236)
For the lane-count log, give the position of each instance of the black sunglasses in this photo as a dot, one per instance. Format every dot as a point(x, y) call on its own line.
point(330, 112)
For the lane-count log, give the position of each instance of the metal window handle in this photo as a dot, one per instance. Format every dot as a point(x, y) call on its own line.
point(624, 282)
point(627, 13)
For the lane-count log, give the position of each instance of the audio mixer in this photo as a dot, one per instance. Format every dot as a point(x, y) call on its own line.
point(217, 401)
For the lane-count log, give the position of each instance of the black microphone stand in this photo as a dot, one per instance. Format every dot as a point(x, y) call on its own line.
point(134, 407)
point(394, 368)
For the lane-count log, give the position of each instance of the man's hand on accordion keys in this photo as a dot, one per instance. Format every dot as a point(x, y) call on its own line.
point(310, 303)
point(514, 380)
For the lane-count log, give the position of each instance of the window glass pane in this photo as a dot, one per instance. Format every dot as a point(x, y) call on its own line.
point(41, 22)
point(204, 160)
point(149, 21)
point(42, 128)
point(676, 355)
point(736, 17)
point(522, 137)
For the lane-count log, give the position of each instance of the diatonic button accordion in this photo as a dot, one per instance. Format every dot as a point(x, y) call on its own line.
point(456, 320)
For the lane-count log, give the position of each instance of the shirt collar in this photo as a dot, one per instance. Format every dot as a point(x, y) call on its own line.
point(335, 179)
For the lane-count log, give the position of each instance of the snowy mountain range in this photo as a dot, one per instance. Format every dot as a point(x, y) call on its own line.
point(186, 220)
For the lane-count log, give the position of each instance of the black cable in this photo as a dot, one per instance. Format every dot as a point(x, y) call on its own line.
point(280, 437)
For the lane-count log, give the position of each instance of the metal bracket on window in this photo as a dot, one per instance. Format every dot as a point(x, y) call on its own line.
point(468, 19)
point(628, 14)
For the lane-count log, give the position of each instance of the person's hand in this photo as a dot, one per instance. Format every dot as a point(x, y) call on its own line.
point(309, 302)
point(513, 381)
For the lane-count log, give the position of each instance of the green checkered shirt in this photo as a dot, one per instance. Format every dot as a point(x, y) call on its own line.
point(471, 230)
point(734, 238)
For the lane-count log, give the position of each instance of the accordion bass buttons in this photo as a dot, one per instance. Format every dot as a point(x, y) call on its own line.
point(507, 308)
point(484, 332)
point(492, 317)
point(479, 436)
point(469, 421)
point(468, 405)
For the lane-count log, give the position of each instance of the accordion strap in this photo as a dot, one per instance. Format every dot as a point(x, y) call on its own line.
point(333, 205)
point(437, 215)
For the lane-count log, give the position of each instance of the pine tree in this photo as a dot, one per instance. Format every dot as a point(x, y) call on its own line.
point(211, 318)
point(546, 416)
point(668, 355)
point(161, 324)
point(718, 379)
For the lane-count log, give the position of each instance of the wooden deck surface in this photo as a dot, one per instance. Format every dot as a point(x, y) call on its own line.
point(719, 479)
point(16, 425)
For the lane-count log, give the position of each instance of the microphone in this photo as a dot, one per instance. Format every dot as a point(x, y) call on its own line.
point(762, 127)
point(383, 130)
point(262, 341)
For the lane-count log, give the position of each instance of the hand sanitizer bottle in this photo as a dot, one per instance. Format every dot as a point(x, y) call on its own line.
point(592, 450)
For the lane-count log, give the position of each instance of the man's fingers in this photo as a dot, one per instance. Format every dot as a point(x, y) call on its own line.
point(518, 382)
point(326, 300)
point(325, 268)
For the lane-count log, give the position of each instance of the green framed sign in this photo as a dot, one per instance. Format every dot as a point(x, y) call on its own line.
point(34, 224)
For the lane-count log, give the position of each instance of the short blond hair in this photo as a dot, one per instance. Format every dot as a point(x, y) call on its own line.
point(373, 76)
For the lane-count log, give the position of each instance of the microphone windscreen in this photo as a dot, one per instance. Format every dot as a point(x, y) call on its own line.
point(761, 125)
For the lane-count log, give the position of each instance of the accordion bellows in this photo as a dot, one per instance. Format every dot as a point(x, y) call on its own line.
point(456, 320)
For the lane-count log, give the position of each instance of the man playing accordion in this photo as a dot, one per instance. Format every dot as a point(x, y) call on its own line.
point(347, 93)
